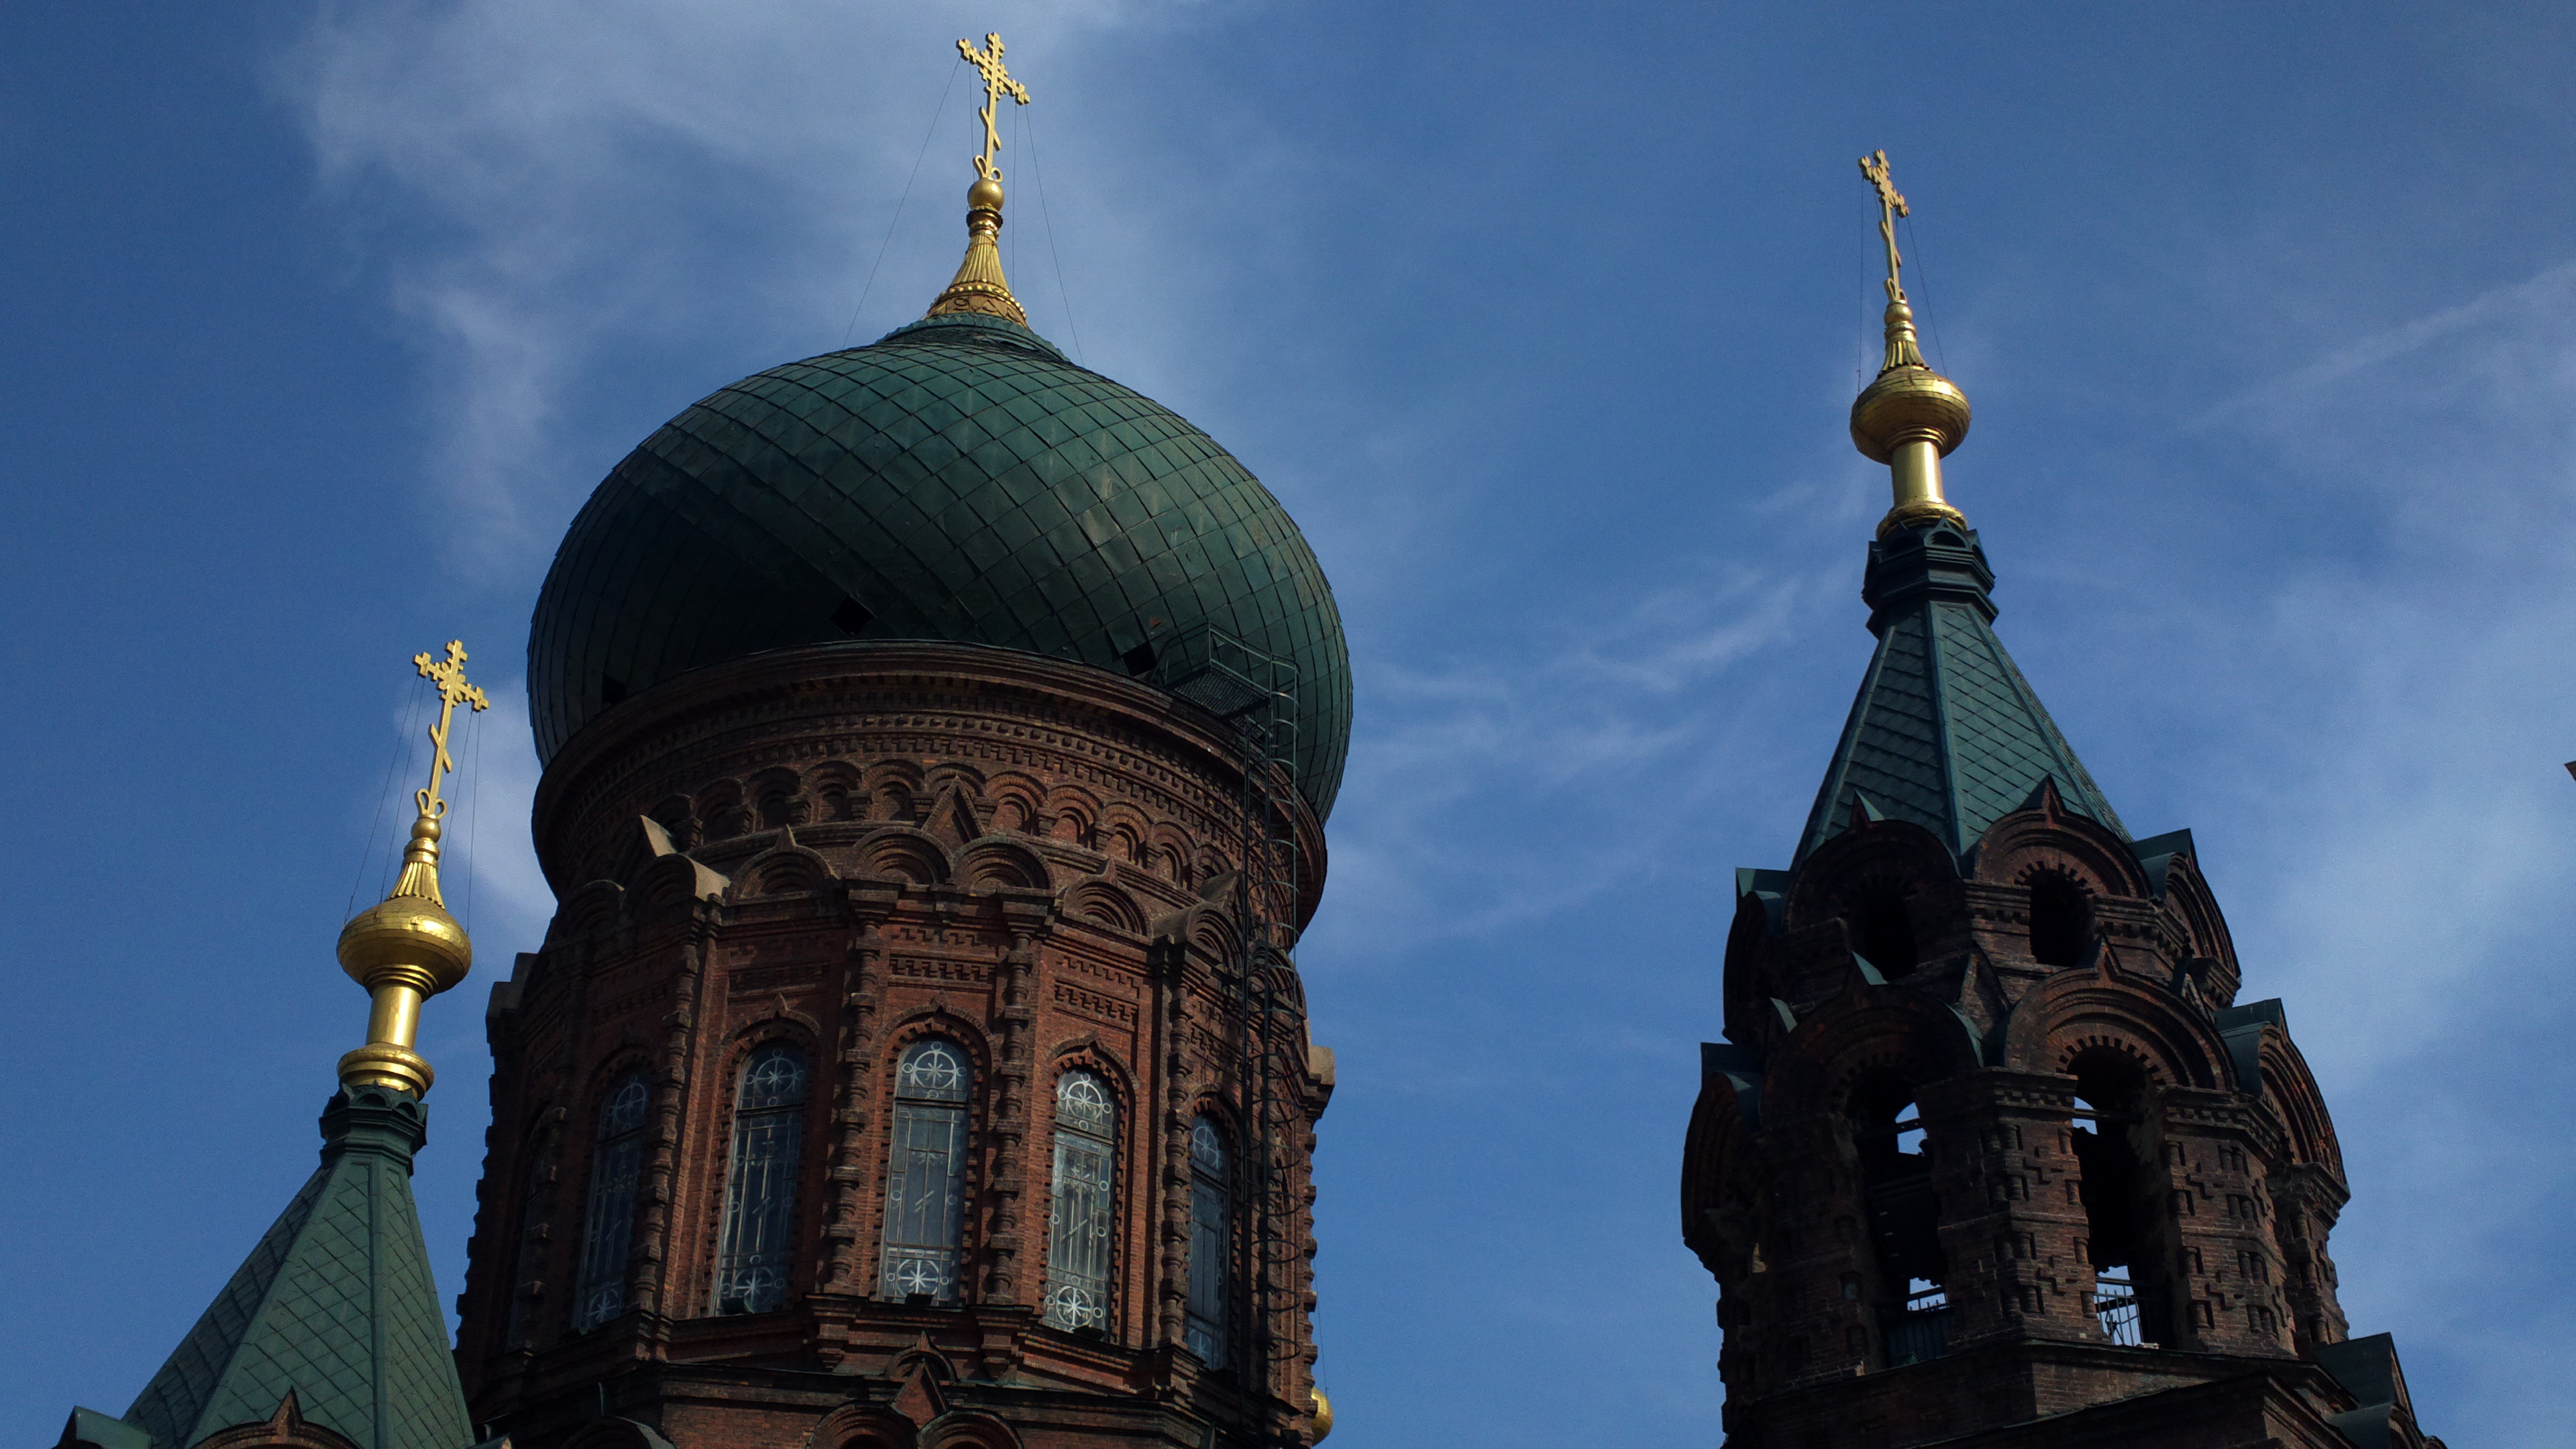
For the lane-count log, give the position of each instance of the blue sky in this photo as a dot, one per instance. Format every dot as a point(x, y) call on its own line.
point(1542, 320)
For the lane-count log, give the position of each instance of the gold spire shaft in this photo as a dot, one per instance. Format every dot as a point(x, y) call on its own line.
point(979, 285)
point(1911, 417)
point(407, 948)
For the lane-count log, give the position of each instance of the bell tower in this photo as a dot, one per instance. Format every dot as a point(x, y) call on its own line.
point(1991, 1153)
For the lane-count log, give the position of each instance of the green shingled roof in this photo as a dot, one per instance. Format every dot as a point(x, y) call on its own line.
point(956, 480)
point(335, 1305)
point(1945, 732)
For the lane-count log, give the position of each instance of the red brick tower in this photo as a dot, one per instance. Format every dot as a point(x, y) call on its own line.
point(938, 741)
point(1990, 1155)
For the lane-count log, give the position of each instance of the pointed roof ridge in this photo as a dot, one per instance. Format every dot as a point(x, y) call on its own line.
point(1945, 731)
point(335, 1306)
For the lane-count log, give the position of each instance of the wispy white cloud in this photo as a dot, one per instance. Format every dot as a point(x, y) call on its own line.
point(551, 189)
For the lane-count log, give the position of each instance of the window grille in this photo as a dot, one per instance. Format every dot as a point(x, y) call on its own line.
point(608, 1226)
point(1078, 1237)
point(754, 1251)
point(926, 1173)
point(1922, 1331)
point(2115, 1303)
point(1211, 1232)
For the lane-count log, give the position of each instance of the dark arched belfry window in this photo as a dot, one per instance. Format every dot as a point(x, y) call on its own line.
point(1883, 932)
point(608, 1226)
point(2061, 920)
point(1083, 1203)
point(2121, 1210)
point(1904, 1219)
point(1211, 1240)
point(926, 1173)
point(755, 1249)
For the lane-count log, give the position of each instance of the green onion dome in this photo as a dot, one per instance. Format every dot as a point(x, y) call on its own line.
point(957, 480)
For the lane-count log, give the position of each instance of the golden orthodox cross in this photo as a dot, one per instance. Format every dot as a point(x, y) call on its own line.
point(1891, 205)
point(449, 675)
point(997, 84)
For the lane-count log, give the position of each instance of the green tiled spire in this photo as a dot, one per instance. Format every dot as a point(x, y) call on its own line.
point(335, 1305)
point(1946, 733)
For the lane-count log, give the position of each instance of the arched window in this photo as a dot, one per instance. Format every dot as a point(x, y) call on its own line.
point(2121, 1197)
point(1084, 1202)
point(1883, 932)
point(2061, 920)
point(1211, 1241)
point(926, 1173)
point(755, 1249)
point(1904, 1218)
point(608, 1227)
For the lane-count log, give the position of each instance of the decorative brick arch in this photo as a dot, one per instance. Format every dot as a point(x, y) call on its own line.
point(782, 870)
point(2076, 1010)
point(905, 853)
point(2290, 1090)
point(1101, 901)
point(1000, 861)
point(1891, 851)
point(966, 1429)
point(2051, 837)
point(597, 908)
point(285, 1429)
point(669, 886)
point(1866, 1029)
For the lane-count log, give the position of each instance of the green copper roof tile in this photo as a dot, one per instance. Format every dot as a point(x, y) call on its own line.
point(957, 458)
point(335, 1305)
point(1945, 731)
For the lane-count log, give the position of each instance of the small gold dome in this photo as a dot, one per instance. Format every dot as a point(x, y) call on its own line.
point(1907, 403)
point(985, 194)
point(406, 931)
point(409, 934)
point(1323, 1415)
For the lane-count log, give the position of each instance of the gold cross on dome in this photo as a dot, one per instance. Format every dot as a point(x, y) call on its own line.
point(1891, 205)
point(997, 84)
point(449, 675)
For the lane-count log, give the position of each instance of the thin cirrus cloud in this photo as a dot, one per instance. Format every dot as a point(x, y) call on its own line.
point(551, 186)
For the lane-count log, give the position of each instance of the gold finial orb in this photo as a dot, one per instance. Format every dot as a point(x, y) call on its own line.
point(1323, 1414)
point(1908, 404)
point(411, 939)
point(984, 195)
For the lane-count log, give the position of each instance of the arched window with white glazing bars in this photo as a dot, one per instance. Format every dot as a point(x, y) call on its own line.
point(1083, 1205)
point(608, 1224)
point(755, 1250)
point(926, 1172)
point(1211, 1240)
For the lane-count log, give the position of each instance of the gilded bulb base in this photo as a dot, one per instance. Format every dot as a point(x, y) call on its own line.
point(1920, 513)
point(382, 1064)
